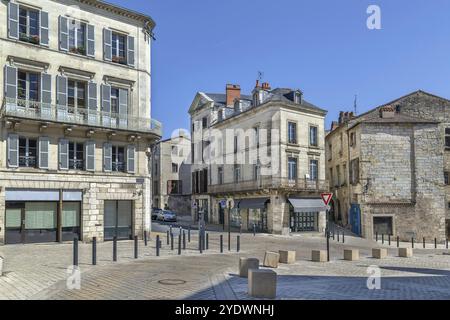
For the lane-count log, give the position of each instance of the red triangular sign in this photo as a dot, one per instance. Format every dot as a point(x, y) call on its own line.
point(326, 197)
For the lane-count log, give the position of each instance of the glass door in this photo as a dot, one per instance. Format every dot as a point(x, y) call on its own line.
point(14, 216)
point(118, 220)
point(40, 222)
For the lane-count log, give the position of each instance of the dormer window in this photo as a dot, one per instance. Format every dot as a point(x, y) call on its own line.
point(255, 99)
point(237, 104)
point(298, 97)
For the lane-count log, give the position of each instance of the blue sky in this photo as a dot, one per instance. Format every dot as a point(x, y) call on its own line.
point(322, 47)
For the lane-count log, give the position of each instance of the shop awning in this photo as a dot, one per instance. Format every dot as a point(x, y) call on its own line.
point(254, 203)
point(307, 205)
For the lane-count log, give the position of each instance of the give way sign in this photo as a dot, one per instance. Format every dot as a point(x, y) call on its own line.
point(326, 197)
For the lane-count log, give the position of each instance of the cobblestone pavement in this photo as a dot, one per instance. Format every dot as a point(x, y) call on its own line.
point(40, 271)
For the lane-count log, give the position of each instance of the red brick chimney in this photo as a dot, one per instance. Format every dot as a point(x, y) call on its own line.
point(233, 93)
point(266, 86)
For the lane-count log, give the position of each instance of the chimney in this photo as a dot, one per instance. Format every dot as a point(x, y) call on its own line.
point(233, 93)
point(387, 112)
point(257, 84)
point(266, 86)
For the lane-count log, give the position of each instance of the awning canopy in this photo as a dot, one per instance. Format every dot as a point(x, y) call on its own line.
point(254, 203)
point(308, 205)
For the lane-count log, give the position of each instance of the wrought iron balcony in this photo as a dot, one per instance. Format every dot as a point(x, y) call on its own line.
point(27, 162)
point(32, 110)
point(268, 182)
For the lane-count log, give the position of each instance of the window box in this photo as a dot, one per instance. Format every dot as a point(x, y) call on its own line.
point(80, 50)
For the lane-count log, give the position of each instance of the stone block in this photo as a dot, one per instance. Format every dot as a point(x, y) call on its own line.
point(287, 256)
point(351, 254)
point(271, 259)
point(379, 253)
point(319, 256)
point(405, 252)
point(245, 264)
point(262, 283)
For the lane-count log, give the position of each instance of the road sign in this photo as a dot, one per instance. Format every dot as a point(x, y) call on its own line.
point(326, 197)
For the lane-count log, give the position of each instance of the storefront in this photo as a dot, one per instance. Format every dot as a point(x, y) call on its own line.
point(304, 214)
point(254, 213)
point(39, 216)
point(118, 220)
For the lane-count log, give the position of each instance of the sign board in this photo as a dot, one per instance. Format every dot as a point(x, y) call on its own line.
point(326, 197)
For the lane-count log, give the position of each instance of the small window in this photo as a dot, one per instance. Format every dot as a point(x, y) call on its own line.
point(330, 151)
point(174, 150)
point(448, 205)
point(77, 37)
point(205, 123)
point(313, 139)
point(292, 132)
point(235, 144)
point(174, 168)
point(352, 139)
point(119, 48)
point(447, 138)
point(220, 175)
point(118, 159)
point(156, 188)
point(76, 156)
point(298, 97)
point(174, 187)
point(354, 171)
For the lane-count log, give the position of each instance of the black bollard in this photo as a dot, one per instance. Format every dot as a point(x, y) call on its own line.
point(184, 240)
point(435, 243)
point(200, 243)
point(382, 238)
point(343, 236)
point(207, 241)
point(75, 251)
point(238, 243)
point(389, 238)
point(115, 249)
point(424, 242)
point(328, 246)
point(170, 229)
point(338, 236)
point(221, 243)
point(189, 234)
point(376, 236)
point(158, 245)
point(446, 243)
point(229, 239)
point(179, 244)
point(145, 237)
point(254, 229)
point(412, 242)
point(94, 251)
point(171, 241)
point(168, 237)
point(398, 242)
point(136, 253)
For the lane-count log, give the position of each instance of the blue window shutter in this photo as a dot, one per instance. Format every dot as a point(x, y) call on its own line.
point(11, 83)
point(63, 33)
point(123, 108)
point(63, 154)
point(61, 88)
point(107, 44)
point(106, 98)
point(13, 151)
point(131, 51)
point(91, 40)
point(44, 144)
point(13, 20)
point(44, 28)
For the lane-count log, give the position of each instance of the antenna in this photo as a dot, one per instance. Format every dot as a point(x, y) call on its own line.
point(260, 75)
point(355, 104)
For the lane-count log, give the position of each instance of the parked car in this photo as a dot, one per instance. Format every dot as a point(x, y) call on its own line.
point(155, 213)
point(166, 215)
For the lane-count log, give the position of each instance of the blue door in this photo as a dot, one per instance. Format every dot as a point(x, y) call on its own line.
point(355, 219)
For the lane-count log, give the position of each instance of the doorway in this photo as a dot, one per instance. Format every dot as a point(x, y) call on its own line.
point(118, 220)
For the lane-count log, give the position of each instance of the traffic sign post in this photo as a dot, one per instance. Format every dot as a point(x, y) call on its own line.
point(326, 198)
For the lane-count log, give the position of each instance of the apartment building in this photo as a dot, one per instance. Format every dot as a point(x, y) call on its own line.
point(262, 153)
point(172, 174)
point(75, 121)
point(388, 168)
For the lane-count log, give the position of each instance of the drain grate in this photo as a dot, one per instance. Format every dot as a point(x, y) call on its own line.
point(172, 282)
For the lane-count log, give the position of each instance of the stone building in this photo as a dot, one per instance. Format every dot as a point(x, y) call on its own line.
point(388, 168)
point(258, 160)
point(172, 174)
point(75, 121)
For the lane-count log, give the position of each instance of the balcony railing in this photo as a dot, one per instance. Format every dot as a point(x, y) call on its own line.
point(268, 182)
point(76, 164)
point(26, 109)
point(28, 162)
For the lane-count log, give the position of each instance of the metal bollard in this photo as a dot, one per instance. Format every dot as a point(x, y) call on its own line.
point(446, 243)
point(170, 229)
point(221, 243)
point(229, 240)
point(136, 253)
point(398, 242)
point(158, 245)
point(328, 245)
point(200, 243)
point(343, 236)
point(189, 234)
point(115, 249)
point(376, 236)
point(382, 238)
point(179, 244)
point(145, 237)
point(94, 251)
point(333, 233)
point(254, 229)
point(238, 243)
point(389, 239)
point(75, 251)
point(207, 241)
point(424, 242)
point(338, 236)
point(412, 242)
point(184, 240)
point(171, 241)
point(168, 237)
point(435, 243)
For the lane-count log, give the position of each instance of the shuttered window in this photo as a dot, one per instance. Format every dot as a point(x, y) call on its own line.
point(44, 145)
point(90, 155)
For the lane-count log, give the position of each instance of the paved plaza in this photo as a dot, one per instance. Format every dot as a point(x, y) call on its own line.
point(40, 271)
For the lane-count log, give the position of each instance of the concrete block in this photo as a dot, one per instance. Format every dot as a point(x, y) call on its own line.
point(287, 256)
point(319, 256)
point(379, 253)
point(262, 283)
point(351, 254)
point(1, 266)
point(405, 252)
point(271, 259)
point(246, 264)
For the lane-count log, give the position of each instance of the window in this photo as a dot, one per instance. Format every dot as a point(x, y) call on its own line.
point(314, 170)
point(352, 139)
point(313, 139)
point(156, 168)
point(298, 97)
point(174, 187)
point(76, 156)
point(354, 171)
point(341, 146)
point(447, 137)
point(77, 37)
point(119, 48)
point(118, 159)
point(237, 173)
point(29, 25)
point(446, 178)
point(448, 205)
point(338, 176)
point(292, 168)
point(256, 129)
point(27, 152)
point(256, 172)
point(76, 97)
point(235, 144)
point(175, 150)
point(174, 168)
point(292, 132)
point(331, 177)
point(115, 92)
point(204, 122)
point(28, 88)
point(192, 153)
point(220, 175)
point(344, 174)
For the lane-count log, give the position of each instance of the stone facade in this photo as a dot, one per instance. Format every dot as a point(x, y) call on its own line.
point(117, 142)
point(400, 170)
